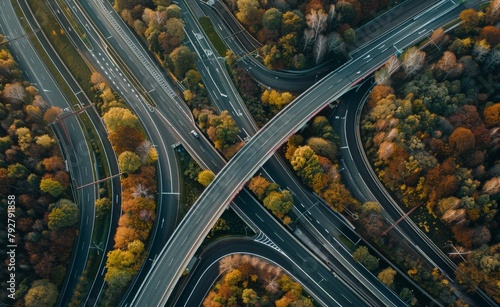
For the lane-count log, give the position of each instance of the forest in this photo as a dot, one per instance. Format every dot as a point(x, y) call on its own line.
point(431, 129)
point(301, 34)
point(33, 174)
point(251, 281)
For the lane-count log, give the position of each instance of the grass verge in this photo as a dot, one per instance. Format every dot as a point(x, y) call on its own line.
point(214, 37)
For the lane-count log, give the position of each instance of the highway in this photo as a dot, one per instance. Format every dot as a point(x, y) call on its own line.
point(202, 278)
point(155, 126)
point(242, 43)
point(232, 178)
point(69, 132)
point(215, 78)
point(71, 278)
point(220, 162)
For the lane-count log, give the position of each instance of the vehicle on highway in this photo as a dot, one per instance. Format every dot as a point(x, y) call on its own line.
point(195, 134)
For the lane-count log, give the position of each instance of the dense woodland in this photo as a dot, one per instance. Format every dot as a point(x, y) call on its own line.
point(299, 34)
point(251, 281)
point(33, 170)
point(432, 131)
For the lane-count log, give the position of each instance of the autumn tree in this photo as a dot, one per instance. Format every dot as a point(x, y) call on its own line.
point(51, 186)
point(279, 202)
point(41, 293)
point(305, 162)
point(492, 186)
point(491, 35)
point(260, 186)
point(223, 130)
point(249, 296)
point(51, 114)
point(492, 115)
point(493, 12)
point(63, 214)
point(205, 177)
point(448, 66)
point(463, 140)
point(386, 276)
point(316, 21)
point(118, 117)
point(249, 12)
point(129, 162)
point(276, 98)
point(291, 22)
point(125, 138)
point(469, 20)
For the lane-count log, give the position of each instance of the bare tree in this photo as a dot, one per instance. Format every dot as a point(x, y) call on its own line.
point(14, 91)
point(392, 65)
point(439, 37)
point(229, 263)
point(316, 20)
point(493, 12)
point(382, 76)
point(481, 50)
point(141, 191)
point(143, 150)
point(493, 59)
point(320, 48)
point(308, 38)
point(331, 13)
point(336, 44)
point(413, 60)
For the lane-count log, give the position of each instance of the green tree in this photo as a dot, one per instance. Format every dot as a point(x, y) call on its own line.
point(323, 148)
point(129, 162)
point(363, 256)
point(51, 186)
point(386, 276)
point(205, 177)
point(102, 207)
point(64, 214)
point(173, 35)
point(182, 60)
point(272, 19)
point(173, 11)
point(371, 207)
point(349, 36)
point(17, 171)
point(41, 293)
